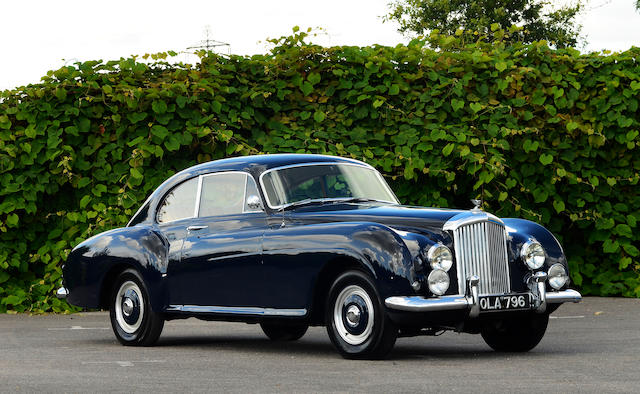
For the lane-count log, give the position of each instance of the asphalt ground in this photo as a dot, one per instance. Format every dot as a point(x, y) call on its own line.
point(591, 347)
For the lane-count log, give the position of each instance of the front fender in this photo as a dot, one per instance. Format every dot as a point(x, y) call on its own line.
point(89, 264)
point(521, 231)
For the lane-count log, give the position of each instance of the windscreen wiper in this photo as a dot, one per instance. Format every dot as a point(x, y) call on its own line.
point(359, 199)
point(306, 201)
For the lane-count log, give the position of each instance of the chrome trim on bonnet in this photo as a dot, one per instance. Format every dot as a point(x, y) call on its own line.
point(470, 217)
point(237, 310)
point(62, 293)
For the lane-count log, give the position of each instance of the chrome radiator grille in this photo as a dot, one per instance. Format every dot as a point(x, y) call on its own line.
point(481, 249)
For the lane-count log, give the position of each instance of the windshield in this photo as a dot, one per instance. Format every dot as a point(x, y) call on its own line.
point(324, 182)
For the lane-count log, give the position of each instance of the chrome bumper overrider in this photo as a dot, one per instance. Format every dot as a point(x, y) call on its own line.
point(540, 297)
point(62, 292)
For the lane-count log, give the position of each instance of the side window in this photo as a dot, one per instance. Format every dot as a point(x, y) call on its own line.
point(222, 194)
point(179, 203)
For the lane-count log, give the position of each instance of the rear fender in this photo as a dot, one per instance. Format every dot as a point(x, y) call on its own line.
point(95, 259)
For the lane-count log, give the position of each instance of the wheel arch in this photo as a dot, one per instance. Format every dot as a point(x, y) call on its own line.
point(109, 280)
point(329, 273)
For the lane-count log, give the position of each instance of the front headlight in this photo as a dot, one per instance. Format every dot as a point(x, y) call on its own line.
point(438, 282)
point(440, 257)
point(557, 276)
point(532, 254)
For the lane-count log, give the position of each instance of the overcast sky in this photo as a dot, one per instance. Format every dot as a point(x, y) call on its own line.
point(36, 36)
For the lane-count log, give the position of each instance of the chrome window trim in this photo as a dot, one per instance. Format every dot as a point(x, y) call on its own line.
point(164, 196)
point(237, 310)
point(244, 195)
point(196, 210)
point(364, 165)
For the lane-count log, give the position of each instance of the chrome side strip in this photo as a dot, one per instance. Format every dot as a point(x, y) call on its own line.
point(236, 310)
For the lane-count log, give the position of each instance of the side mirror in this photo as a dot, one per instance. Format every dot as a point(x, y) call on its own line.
point(254, 203)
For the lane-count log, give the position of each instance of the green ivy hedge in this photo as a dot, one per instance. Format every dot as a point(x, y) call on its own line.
point(547, 135)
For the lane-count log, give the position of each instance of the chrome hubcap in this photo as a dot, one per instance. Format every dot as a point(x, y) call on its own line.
point(129, 307)
point(353, 315)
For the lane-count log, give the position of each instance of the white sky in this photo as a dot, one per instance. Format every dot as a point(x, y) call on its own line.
point(35, 36)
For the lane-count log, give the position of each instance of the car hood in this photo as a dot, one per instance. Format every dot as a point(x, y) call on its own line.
point(400, 217)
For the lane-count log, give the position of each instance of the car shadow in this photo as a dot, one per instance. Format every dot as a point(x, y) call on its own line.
point(243, 343)
point(404, 352)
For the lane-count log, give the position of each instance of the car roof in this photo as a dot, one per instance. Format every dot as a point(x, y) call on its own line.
point(266, 162)
point(254, 165)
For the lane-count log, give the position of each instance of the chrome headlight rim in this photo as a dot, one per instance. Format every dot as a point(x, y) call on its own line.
point(557, 280)
point(432, 257)
point(436, 282)
point(529, 260)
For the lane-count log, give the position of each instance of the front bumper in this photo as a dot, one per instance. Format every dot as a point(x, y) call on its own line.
point(472, 301)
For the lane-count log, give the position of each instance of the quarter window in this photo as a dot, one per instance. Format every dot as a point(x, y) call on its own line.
point(179, 203)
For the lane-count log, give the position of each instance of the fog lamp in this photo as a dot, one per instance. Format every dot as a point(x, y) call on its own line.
point(557, 276)
point(438, 282)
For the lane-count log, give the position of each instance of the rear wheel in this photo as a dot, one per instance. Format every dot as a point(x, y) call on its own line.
point(356, 319)
point(517, 334)
point(282, 332)
point(132, 319)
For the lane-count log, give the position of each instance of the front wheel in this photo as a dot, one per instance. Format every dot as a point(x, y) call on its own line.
point(516, 334)
point(282, 332)
point(356, 320)
point(132, 319)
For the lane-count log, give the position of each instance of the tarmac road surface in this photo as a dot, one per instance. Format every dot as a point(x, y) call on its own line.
point(591, 347)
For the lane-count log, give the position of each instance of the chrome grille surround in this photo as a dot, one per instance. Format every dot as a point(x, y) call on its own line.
point(480, 244)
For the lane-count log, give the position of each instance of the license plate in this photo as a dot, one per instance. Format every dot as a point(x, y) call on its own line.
point(505, 302)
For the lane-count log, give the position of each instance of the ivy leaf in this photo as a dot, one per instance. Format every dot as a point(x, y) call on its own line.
point(446, 151)
point(558, 205)
point(623, 230)
point(610, 246)
point(159, 106)
point(632, 250)
point(394, 89)
point(501, 66)
point(84, 201)
point(457, 104)
point(314, 78)
point(545, 159)
point(306, 88)
point(319, 116)
point(530, 146)
point(475, 107)
point(12, 220)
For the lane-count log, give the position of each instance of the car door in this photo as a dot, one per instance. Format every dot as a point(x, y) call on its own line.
point(221, 255)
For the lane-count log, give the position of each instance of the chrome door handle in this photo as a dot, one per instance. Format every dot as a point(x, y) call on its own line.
point(196, 228)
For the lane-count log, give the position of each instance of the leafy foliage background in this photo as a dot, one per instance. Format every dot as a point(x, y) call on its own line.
point(547, 135)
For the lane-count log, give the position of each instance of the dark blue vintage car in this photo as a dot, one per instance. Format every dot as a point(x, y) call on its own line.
point(289, 241)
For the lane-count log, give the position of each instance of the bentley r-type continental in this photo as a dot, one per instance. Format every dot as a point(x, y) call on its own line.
point(291, 241)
